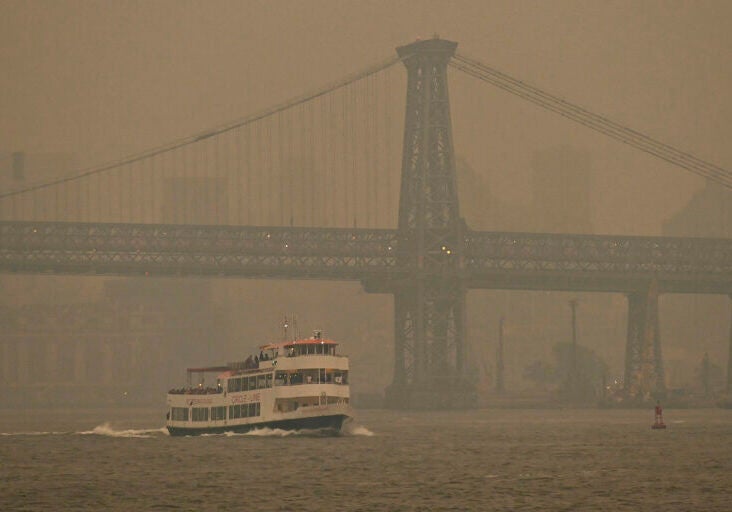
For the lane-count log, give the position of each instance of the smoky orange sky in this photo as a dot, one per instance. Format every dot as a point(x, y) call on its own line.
point(105, 79)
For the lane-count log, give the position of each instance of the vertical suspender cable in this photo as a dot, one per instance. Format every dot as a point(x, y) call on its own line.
point(343, 171)
point(310, 169)
point(216, 166)
point(237, 178)
point(280, 177)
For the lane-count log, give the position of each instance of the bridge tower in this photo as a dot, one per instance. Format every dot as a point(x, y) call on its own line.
point(429, 303)
point(644, 376)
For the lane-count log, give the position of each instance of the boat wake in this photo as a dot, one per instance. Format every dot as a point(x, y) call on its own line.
point(278, 432)
point(34, 433)
point(349, 429)
point(105, 429)
point(352, 429)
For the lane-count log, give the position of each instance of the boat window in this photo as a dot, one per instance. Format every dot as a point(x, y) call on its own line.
point(243, 410)
point(280, 378)
point(233, 385)
point(336, 376)
point(244, 384)
point(311, 376)
point(261, 382)
point(252, 383)
point(199, 414)
point(218, 413)
point(179, 414)
point(269, 380)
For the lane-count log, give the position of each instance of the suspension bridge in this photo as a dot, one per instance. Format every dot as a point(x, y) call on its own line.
point(313, 189)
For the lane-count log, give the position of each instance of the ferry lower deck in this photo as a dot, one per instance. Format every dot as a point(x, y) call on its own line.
point(330, 425)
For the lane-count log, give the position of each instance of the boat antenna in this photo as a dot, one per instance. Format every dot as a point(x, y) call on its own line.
point(295, 330)
point(284, 325)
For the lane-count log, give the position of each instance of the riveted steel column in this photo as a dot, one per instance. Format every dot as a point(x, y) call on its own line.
point(429, 303)
point(644, 376)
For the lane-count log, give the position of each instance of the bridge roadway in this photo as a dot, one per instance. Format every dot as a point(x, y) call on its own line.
point(377, 257)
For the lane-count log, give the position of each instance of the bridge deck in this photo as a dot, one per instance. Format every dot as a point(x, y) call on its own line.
point(488, 259)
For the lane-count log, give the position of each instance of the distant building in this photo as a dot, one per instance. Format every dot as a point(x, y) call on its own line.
point(697, 324)
point(708, 214)
point(19, 169)
point(83, 341)
point(126, 348)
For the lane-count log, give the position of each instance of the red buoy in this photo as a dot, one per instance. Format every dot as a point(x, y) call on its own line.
point(658, 421)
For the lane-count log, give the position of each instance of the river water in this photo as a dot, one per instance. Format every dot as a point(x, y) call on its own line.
point(548, 460)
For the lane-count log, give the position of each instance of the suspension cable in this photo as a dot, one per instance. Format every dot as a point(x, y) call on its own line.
point(594, 121)
point(333, 86)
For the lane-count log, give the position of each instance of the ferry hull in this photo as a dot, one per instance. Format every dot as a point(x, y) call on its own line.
point(329, 424)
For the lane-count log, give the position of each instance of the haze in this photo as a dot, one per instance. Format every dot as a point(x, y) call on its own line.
point(90, 82)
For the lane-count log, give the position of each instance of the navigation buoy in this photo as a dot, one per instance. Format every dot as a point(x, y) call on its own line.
point(658, 421)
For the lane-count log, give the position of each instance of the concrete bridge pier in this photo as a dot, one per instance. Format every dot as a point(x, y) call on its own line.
point(644, 378)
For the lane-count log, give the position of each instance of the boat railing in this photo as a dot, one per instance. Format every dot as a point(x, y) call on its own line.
point(308, 355)
point(196, 391)
point(280, 382)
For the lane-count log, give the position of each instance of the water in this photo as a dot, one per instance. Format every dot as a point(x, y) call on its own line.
point(548, 460)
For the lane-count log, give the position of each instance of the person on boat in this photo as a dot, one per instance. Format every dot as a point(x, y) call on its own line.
point(659, 412)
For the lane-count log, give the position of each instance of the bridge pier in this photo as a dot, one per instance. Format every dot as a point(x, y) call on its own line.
point(430, 336)
point(644, 375)
point(429, 303)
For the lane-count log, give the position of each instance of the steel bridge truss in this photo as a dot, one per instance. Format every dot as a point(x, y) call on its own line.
point(529, 261)
point(177, 250)
point(428, 263)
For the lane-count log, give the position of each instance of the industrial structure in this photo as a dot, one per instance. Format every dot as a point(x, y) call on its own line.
point(428, 262)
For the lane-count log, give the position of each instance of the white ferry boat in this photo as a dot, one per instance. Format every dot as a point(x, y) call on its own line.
point(293, 385)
